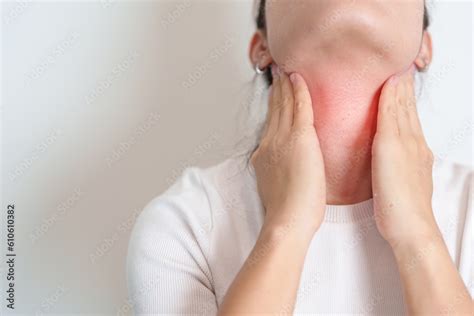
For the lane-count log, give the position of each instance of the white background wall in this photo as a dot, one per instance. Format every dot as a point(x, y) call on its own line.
point(100, 114)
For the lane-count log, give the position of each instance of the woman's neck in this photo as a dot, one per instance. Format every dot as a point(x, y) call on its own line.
point(345, 74)
point(345, 116)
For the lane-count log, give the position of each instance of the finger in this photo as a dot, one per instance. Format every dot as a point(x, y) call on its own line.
point(412, 109)
point(387, 112)
point(286, 112)
point(269, 112)
point(303, 111)
point(274, 105)
point(402, 103)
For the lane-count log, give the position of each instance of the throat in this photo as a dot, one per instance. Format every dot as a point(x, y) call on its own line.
point(345, 118)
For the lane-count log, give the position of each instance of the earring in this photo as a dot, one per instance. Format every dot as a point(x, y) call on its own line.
point(258, 71)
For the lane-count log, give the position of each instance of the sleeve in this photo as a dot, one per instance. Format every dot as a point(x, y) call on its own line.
point(467, 270)
point(465, 222)
point(167, 268)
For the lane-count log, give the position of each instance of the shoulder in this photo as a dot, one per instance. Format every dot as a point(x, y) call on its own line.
point(452, 199)
point(187, 206)
point(452, 182)
point(170, 245)
point(447, 173)
point(452, 207)
point(452, 186)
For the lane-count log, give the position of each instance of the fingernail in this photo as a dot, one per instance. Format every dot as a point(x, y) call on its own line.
point(294, 78)
point(410, 72)
point(274, 71)
point(394, 80)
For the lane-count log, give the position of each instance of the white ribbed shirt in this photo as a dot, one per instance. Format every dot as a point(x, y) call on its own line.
point(189, 243)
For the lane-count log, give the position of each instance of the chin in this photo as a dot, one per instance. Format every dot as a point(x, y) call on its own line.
point(340, 38)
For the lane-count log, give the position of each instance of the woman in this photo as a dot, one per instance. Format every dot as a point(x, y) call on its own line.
point(340, 210)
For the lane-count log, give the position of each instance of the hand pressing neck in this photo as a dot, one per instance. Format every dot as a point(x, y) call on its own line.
point(345, 66)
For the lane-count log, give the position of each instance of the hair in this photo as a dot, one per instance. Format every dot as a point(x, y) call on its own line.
point(261, 23)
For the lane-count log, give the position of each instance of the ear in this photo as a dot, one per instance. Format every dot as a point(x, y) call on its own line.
point(259, 53)
point(425, 56)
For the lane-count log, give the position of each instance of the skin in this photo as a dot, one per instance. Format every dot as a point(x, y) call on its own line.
point(345, 50)
point(403, 187)
point(294, 178)
point(289, 159)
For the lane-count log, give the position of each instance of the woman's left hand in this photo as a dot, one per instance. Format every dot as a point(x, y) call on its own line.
point(401, 166)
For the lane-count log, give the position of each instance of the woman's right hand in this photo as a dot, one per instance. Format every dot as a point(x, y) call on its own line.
point(288, 163)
